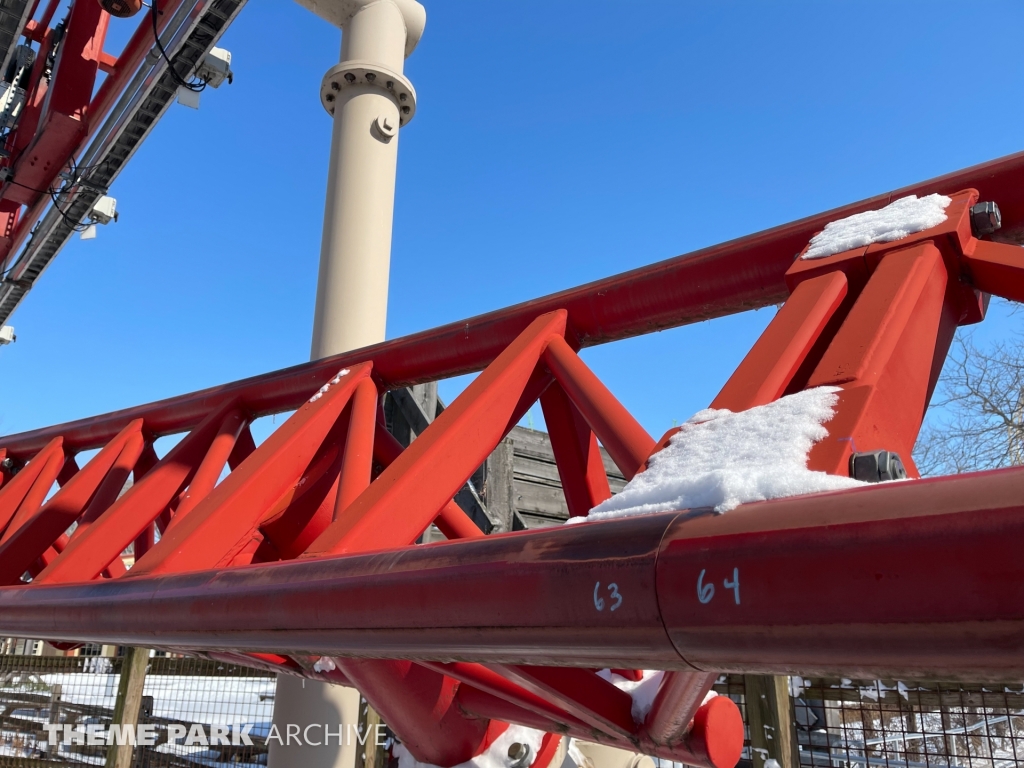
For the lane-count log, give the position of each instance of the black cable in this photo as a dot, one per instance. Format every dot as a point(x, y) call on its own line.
point(6, 272)
point(195, 85)
point(67, 188)
point(70, 223)
point(26, 186)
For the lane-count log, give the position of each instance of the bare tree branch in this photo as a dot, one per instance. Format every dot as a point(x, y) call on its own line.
point(977, 418)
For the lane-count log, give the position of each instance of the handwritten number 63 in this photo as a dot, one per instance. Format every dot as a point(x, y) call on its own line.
point(613, 594)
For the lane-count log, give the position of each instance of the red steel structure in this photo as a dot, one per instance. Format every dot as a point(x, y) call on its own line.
point(306, 548)
point(85, 112)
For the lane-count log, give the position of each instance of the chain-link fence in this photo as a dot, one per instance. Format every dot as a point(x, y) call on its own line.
point(891, 723)
point(178, 694)
point(829, 722)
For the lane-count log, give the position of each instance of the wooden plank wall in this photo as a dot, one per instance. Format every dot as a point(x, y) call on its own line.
point(515, 489)
point(538, 498)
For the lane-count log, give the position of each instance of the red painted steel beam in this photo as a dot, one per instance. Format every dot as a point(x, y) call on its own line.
point(996, 268)
point(580, 692)
point(680, 291)
point(735, 276)
point(925, 579)
point(88, 491)
point(224, 522)
point(577, 454)
point(208, 473)
point(626, 441)
point(714, 737)
point(64, 123)
point(111, 485)
point(452, 521)
point(490, 682)
point(87, 555)
point(358, 461)
point(420, 705)
point(769, 368)
point(883, 356)
point(26, 491)
point(679, 698)
point(434, 585)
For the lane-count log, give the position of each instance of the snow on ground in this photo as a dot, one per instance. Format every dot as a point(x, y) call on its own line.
point(496, 756)
point(894, 222)
point(183, 697)
point(227, 701)
point(722, 459)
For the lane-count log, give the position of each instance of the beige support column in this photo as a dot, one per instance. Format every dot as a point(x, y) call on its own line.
point(369, 99)
point(318, 711)
point(603, 756)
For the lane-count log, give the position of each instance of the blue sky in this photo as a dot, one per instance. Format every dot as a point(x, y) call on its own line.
point(554, 143)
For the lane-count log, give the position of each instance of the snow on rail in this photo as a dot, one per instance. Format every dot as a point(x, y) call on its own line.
point(722, 459)
point(718, 459)
point(894, 222)
point(641, 691)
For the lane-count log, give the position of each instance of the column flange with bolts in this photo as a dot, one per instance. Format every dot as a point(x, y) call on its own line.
point(350, 74)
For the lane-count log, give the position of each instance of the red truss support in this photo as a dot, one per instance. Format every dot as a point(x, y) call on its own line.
point(307, 546)
point(421, 704)
point(100, 483)
point(577, 454)
point(23, 495)
point(265, 488)
point(87, 555)
point(887, 354)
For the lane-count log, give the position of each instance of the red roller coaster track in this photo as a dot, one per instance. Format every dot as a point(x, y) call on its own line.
point(306, 548)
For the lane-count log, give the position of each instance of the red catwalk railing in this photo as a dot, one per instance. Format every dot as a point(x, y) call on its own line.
point(306, 548)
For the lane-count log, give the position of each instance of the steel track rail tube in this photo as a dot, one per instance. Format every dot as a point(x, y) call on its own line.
point(923, 578)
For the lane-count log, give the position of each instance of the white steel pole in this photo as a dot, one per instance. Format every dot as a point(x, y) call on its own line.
point(370, 99)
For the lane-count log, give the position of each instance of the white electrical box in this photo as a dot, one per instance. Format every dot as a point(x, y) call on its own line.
point(216, 68)
point(7, 335)
point(104, 211)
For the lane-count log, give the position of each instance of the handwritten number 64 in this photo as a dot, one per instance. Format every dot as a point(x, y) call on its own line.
point(613, 594)
point(704, 591)
point(707, 591)
point(734, 585)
